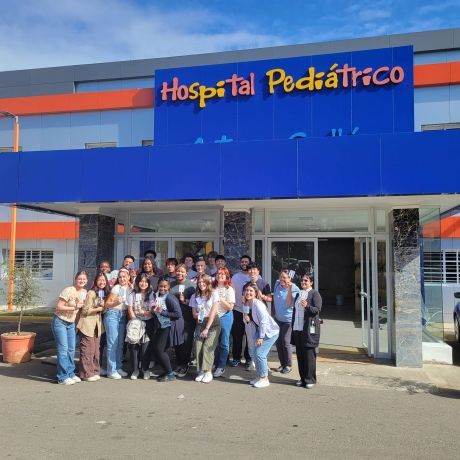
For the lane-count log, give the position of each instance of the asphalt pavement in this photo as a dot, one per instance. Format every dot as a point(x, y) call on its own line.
point(359, 409)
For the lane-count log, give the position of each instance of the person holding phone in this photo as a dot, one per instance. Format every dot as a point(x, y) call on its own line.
point(70, 302)
point(115, 324)
point(139, 303)
point(183, 289)
point(266, 332)
point(204, 304)
point(306, 330)
point(90, 328)
point(168, 314)
point(284, 294)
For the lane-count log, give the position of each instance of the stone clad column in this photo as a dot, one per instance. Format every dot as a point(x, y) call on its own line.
point(96, 242)
point(237, 237)
point(407, 292)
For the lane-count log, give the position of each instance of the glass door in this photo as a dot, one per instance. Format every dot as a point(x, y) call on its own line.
point(181, 246)
point(365, 294)
point(298, 255)
point(138, 246)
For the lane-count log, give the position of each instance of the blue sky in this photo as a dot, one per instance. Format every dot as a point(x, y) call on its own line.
point(44, 33)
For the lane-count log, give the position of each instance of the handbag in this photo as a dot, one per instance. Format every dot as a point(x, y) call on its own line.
point(135, 330)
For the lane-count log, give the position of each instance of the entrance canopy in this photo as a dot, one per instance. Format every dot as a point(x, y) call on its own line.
point(349, 166)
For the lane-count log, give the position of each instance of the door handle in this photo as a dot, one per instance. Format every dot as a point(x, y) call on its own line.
point(363, 294)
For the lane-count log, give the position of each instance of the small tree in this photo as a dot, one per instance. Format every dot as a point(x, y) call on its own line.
point(27, 290)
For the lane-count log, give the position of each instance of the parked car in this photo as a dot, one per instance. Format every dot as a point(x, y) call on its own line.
point(457, 317)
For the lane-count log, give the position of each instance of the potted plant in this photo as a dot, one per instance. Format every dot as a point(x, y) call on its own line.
point(17, 346)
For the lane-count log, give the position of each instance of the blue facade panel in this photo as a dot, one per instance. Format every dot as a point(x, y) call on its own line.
point(374, 165)
point(274, 99)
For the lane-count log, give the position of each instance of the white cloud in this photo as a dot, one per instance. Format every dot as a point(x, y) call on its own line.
point(52, 33)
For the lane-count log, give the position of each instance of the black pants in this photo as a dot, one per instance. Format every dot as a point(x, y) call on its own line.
point(238, 333)
point(137, 354)
point(306, 359)
point(283, 344)
point(159, 345)
point(184, 351)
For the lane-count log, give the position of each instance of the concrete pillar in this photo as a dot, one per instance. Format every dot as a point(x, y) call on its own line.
point(96, 242)
point(237, 237)
point(407, 292)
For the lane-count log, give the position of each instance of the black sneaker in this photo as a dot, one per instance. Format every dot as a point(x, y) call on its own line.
point(235, 363)
point(300, 383)
point(286, 370)
point(182, 371)
point(167, 377)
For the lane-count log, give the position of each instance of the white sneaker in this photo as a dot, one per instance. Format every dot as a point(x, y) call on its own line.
point(262, 383)
point(93, 378)
point(146, 375)
point(207, 378)
point(122, 372)
point(254, 381)
point(103, 372)
point(114, 376)
point(199, 377)
point(76, 379)
point(310, 385)
point(219, 372)
point(135, 374)
point(97, 377)
point(67, 381)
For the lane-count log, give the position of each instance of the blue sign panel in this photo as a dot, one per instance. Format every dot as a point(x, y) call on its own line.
point(352, 93)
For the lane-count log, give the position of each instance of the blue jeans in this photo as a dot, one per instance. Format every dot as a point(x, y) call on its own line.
point(64, 335)
point(261, 353)
point(223, 348)
point(115, 327)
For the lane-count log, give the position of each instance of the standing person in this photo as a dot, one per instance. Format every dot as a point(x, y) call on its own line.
point(71, 300)
point(238, 329)
point(168, 312)
point(265, 296)
point(211, 270)
point(183, 289)
point(128, 264)
point(204, 304)
point(221, 261)
point(226, 295)
point(90, 328)
point(189, 260)
point(284, 294)
point(139, 304)
point(151, 253)
point(200, 268)
point(148, 268)
point(266, 333)
point(106, 268)
point(115, 325)
point(170, 275)
point(306, 330)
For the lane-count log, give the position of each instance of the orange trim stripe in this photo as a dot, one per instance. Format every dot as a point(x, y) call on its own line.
point(41, 230)
point(424, 75)
point(79, 102)
point(449, 228)
point(437, 74)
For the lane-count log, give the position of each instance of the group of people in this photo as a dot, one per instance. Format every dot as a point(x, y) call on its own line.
point(194, 307)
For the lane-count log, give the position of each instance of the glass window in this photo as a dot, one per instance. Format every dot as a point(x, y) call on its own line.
point(99, 145)
point(184, 222)
point(330, 220)
point(259, 215)
point(380, 220)
point(194, 247)
point(258, 254)
point(40, 261)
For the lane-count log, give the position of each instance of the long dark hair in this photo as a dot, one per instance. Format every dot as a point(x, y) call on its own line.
point(137, 289)
point(107, 287)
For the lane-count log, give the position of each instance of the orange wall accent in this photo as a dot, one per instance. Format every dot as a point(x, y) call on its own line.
point(447, 73)
point(424, 75)
point(41, 230)
point(79, 102)
point(450, 228)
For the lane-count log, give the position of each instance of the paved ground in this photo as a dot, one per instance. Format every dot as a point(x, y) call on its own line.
point(359, 410)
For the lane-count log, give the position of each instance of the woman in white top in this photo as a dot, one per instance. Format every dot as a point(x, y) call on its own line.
point(71, 300)
point(226, 295)
point(115, 324)
point(204, 305)
point(267, 332)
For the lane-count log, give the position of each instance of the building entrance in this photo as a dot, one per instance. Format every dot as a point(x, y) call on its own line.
point(351, 276)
